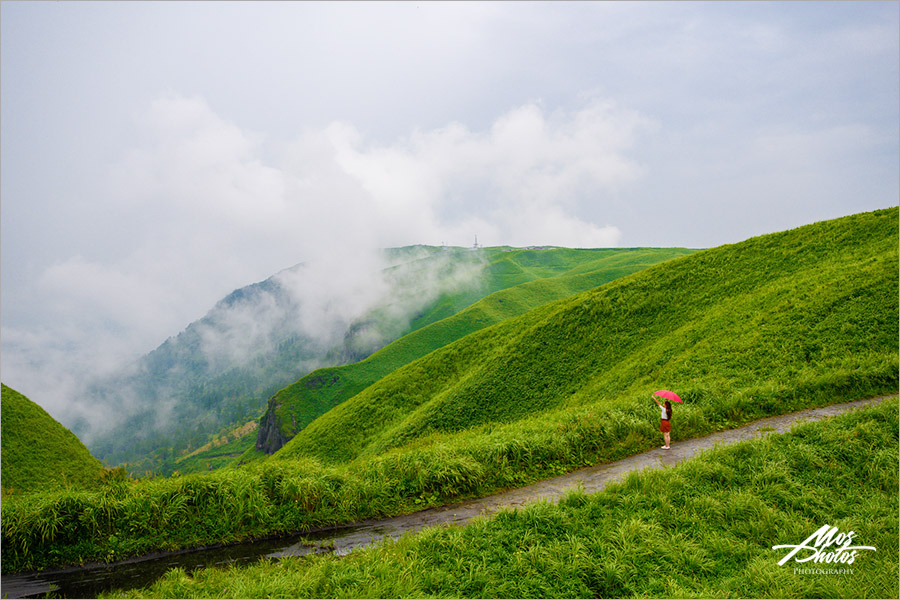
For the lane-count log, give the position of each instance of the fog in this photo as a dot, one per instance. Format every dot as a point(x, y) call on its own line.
point(206, 210)
point(158, 156)
point(267, 335)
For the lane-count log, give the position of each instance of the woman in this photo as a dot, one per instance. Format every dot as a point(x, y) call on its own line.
point(665, 425)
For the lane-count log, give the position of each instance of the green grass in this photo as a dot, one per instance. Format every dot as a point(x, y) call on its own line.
point(213, 400)
point(512, 283)
point(778, 323)
point(704, 528)
point(773, 324)
point(37, 452)
point(222, 455)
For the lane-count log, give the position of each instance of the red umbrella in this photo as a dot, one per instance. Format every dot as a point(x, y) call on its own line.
point(668, 395)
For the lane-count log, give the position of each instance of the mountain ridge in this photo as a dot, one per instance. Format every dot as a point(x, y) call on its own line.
point(219, 372)
point(324, 388)
point(811, 278)
point(775, 324)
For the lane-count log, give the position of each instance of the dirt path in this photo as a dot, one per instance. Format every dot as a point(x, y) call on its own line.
point(591, 479)
point(87, 582)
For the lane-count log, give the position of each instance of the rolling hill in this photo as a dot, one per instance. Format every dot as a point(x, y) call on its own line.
point(782, 321)
point(524, 279)
point(802, 318)
point(218, 373)
point(38, 453)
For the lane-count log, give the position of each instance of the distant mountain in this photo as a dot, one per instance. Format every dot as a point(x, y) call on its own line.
point(218, 374)
point(221, 369)
point(773, 324)
point(37, 451)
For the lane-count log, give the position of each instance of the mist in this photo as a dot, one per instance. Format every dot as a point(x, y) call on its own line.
point(197, 207)
point(152, 165)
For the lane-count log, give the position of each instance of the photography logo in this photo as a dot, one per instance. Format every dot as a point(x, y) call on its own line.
point(826, 546)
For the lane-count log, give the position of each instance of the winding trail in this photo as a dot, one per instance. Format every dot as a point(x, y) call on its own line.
point(139, 572)
point(591, 479)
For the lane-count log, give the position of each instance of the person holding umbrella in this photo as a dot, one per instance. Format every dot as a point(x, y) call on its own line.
point(665, 422)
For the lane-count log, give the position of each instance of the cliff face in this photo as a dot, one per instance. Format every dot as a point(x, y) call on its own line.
point(269, 437)
point(311, 396)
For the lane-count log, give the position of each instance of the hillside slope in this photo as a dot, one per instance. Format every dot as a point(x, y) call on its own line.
point(521, 280)
point(778, 322)
point(219, 371)
point(39, 453)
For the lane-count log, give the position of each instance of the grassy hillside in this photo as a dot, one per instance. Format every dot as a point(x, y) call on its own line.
point(702, 529)
point(37, 452)
point(218, 373)
point(220, 452)
point(777, 322)
point(520, 280)
point(771, 325)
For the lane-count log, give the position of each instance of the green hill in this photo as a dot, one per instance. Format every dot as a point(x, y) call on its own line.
point(38, 452)
point(520, 280)
point(700, 529)
point(777, 323)
point(804, 317)
point(220, 370)
point(218, 373)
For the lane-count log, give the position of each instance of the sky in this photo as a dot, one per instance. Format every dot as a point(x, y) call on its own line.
point(157, 155)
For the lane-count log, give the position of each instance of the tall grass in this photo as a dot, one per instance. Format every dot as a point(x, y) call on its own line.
point(284, 496)
point(704, 528)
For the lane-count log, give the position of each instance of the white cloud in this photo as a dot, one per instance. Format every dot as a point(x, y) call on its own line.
point(527, 168)
point(338, 128)
point(201, 200)
point(202, 207)
point(194, 166)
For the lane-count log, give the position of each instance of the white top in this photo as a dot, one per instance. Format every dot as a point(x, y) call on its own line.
point(664, 416)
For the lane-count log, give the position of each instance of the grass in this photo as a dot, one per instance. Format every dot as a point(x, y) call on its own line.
point(775, 324)
point(704, 528)
point(221, 452)
point(513, 282)
point(38, 453)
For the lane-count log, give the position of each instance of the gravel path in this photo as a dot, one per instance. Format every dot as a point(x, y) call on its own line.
point(591, 479)
point(88, 581)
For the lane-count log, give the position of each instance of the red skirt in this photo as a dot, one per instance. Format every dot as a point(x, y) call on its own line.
point(664, 426)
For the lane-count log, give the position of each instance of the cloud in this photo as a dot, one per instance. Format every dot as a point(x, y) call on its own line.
point(200, 207)
point(424, 129)
point(195, 170)
point(527, 167)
